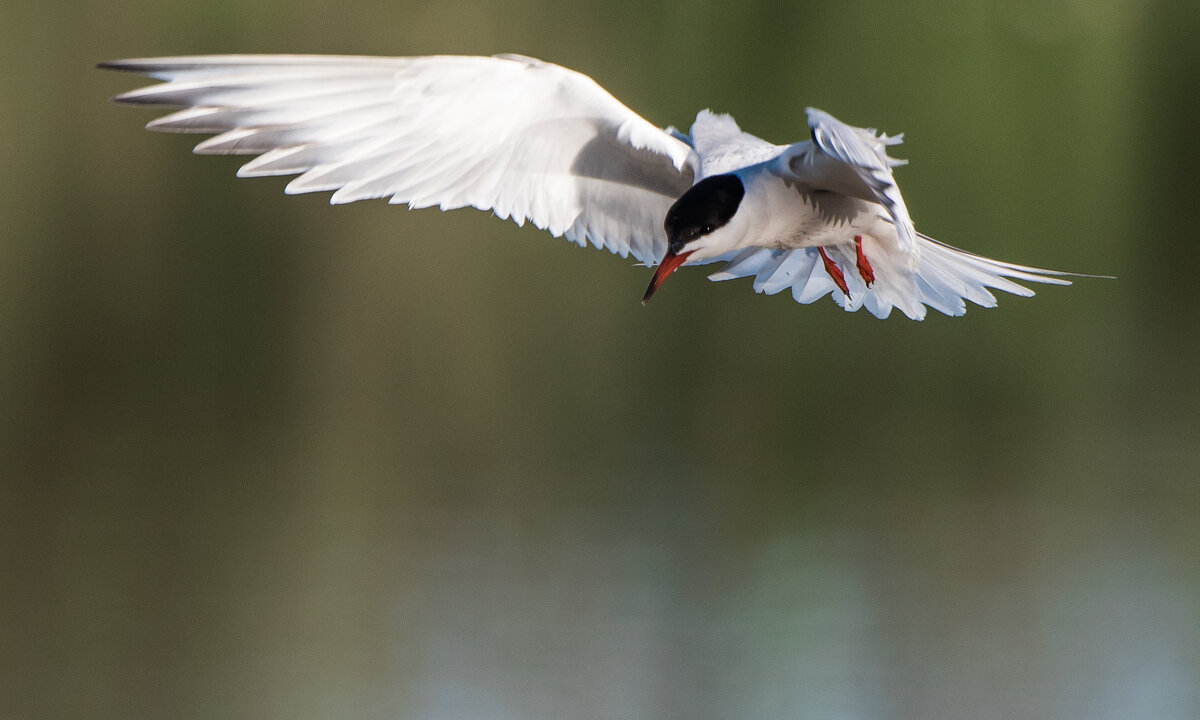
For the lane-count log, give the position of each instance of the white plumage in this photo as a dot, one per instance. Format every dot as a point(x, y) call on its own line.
point(537, 142)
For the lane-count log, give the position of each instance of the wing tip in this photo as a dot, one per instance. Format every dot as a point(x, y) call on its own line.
point(141, 66)
point(137, 67)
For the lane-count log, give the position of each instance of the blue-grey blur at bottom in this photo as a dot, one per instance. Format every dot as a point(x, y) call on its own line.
point(265, 458)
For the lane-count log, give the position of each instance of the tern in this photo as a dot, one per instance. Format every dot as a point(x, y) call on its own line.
point(534, 141)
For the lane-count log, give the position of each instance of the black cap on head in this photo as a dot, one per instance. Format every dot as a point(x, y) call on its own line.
point(706, 206)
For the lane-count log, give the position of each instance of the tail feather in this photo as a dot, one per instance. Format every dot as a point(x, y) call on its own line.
point(942, 277)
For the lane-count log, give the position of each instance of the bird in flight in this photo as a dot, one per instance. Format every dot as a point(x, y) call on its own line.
point(537, 142)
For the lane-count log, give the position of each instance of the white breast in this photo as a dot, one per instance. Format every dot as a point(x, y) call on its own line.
point(781, 212)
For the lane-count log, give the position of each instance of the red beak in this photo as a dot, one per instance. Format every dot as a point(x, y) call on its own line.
point(669, 264)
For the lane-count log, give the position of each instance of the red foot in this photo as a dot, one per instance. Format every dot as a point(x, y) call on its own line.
point(834, 272)
point(864, 266)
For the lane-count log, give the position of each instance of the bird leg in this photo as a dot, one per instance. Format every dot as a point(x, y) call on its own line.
point(834, 272)
point(864, 267)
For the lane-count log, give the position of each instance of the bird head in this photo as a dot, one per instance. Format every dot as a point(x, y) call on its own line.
point(694, 223)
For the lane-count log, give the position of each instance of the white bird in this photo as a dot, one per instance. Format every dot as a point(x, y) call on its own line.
point(531, 140)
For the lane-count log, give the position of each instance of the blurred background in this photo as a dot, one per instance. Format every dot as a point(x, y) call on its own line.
point(261, 457)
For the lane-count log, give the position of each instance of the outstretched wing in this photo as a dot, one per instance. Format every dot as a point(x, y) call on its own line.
point(860, 165)
point(525, 139)
point(944, 279)
point(724, 147)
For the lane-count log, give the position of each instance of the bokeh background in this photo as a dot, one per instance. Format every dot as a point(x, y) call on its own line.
point(261, 457)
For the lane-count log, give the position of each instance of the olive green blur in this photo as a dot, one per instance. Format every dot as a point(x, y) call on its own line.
point(263, 458)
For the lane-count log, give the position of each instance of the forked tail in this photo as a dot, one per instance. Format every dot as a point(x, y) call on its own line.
point(944, 277)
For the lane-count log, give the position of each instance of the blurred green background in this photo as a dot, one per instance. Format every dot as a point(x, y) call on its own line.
point(261, 457)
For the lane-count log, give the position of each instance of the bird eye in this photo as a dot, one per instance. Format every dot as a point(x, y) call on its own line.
point(706, 229)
